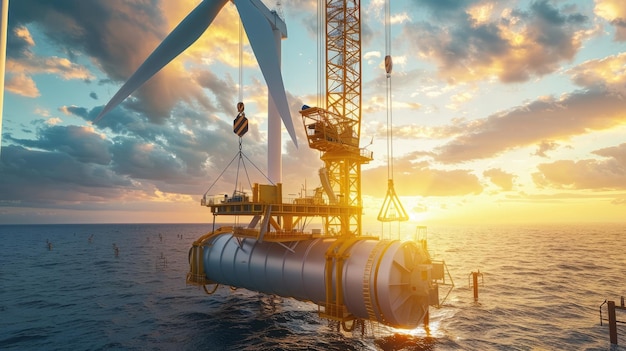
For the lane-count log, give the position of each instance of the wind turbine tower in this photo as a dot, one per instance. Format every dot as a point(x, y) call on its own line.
point(274, 136)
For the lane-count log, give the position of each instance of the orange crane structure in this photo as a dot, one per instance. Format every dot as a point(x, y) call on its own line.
point(335, 131)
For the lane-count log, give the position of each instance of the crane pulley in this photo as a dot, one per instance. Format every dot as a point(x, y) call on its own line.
point(240, 124)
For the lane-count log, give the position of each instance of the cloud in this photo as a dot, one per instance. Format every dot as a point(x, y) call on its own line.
point(61, 67)
point(545, 146)
point(19, 42)
point(75, 110)
point(417, 131)
point(376, 9)
point(372, 57)
point(609, 72)
point(21, 84)
point(419, 179)
point(53, 121)
point(118, 36)
point(444, 7)
point(510, 45)
point(459, 99)
point(500, 178)
point(608, 173)
point(177, 152)
point(173, 158)
point(614, 12)
point(224, 90)
point(306, 13)
point(544, 119)
point(141, 160)
point(420, 208)
point(563, 197)
point(109, 31)
point(547, 120)
point(83, 144)
point(22, 64)
point(617, 153)
point(40, 177)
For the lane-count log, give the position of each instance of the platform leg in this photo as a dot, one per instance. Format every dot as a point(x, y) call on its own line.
point(475, 279)
point(612, 323)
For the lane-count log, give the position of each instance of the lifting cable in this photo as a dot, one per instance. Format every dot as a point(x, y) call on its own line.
point(240, 60)
point(392, 209)
point(241, 128)
point(240, 105)
point(240, 156)
point(241, 116)
point(238, 129)
point(389, 98)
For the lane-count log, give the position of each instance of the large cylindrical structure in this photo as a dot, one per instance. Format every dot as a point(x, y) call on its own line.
point(386, 280)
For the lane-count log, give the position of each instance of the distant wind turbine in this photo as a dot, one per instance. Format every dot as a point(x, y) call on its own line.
point(4, 19)
point(261, 39)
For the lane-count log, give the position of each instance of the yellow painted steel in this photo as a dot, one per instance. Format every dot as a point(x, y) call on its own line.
point(378, 250)
point(378, 307)
point(334, 308)
point(335, 131)
point(196, 274)
point(336, 254)
point(209, 235)
point(392, 209)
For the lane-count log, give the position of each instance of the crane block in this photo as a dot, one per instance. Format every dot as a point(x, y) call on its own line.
point(240, 125)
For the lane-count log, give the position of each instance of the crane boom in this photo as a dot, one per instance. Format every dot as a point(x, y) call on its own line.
point(343, 60)
point(335, 131)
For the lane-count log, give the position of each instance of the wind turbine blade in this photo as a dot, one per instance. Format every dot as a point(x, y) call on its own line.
point(185, 34)
point(261, 39)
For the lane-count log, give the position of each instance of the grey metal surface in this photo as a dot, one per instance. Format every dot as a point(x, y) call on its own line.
point(382, 280)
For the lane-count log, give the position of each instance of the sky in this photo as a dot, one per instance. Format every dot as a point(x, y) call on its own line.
point(504, 112)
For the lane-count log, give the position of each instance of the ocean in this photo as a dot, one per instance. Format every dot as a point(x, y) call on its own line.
point(542, 288)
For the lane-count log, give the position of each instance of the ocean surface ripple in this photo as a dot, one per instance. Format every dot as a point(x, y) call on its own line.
point(543, 287)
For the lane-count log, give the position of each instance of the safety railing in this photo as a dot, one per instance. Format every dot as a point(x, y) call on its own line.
point(612, 318)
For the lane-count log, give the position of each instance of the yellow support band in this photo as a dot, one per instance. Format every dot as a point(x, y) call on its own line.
point(381, 247)
point(336, 252)
point(382, 253)
point(197, 275)
point(209, 235)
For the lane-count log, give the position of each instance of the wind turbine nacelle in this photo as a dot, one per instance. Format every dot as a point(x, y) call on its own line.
point(388, 281)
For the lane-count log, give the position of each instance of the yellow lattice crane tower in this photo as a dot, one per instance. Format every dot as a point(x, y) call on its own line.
point(335, 130)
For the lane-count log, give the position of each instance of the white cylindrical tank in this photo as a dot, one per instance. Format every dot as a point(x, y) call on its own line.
point(387, 281)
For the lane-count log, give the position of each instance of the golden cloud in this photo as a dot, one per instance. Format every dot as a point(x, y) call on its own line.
point(613, 11)
point(609, 71)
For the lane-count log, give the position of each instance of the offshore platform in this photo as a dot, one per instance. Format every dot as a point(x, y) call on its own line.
point(351, 277)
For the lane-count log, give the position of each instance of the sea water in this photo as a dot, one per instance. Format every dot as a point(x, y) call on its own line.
point(67, 287)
